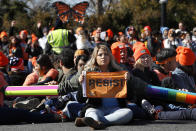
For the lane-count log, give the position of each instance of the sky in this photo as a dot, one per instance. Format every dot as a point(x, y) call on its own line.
point(69, 2)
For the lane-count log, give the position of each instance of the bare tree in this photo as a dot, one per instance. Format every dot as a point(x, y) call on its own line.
point(100, 6)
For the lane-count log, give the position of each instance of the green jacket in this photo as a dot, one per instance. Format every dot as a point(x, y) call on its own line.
point(68, 82)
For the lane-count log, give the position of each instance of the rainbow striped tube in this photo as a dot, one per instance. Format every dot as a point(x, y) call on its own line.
point(170, 94)
point(41, 90)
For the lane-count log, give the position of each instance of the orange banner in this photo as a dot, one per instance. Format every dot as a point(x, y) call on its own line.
point(105, 85)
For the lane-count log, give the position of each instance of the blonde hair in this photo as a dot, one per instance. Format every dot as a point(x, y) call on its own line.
point(139, 65)
point(92, 63)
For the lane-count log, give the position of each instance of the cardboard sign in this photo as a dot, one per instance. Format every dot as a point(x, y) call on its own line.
point(104, 85)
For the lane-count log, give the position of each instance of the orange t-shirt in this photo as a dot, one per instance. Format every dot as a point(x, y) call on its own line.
point(53, 73)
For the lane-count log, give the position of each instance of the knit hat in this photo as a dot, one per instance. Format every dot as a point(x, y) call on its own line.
point(110, 33)
point(147, 28)
point(16, 63)
point(141, 50)
point(120, 33)
point(24, 31)
point(78, 30)
point(3, 34)
point(34, 38)
point(138, 44)
point(185, 56)
point(79, 52)
point(3, 60)
point(163, 29)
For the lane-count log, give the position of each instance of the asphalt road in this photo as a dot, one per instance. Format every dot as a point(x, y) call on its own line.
point(137, 125)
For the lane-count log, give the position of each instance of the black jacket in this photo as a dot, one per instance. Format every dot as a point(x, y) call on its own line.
point(147, 75)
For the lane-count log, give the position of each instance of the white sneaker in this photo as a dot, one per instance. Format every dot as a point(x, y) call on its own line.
point(148, 107)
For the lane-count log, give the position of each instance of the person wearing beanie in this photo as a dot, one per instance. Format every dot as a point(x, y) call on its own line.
point(79, 53)
point(164, 32)
point(4, 42)
point(4, 61)
point(165, 63)
point(142, 66)
point(183, 74)
point(126, 58)
point(15, 48)
point(23, 43)
point(115, 47)
point(17, 74)
point(34, 50)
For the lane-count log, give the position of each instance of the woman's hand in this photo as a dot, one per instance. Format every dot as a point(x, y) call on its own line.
point(81, 78)
point(127, 76)
point(52, 83)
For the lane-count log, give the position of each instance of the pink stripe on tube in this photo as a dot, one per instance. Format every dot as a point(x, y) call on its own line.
point(44, 87)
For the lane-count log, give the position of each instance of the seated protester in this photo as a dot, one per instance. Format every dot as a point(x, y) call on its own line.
point(78, 53)
point(32, 78)
point(15, 48)
point(4, 61)
point(46, 73)
point(165, 63)
point(154, 45)
point(97, 37)
point(131, 34)
point(67, 91)
point(34, 50)
point(172, 41)
point(70, 84)
point(101, 112)
point(4, 43)
point(3, 84)
point(115, 47)
point(183, 74)
point(142, 66)
point(126, 58)
point(45, 70)
point(66, 64)
point(17, 74)
point(164, 32)
point(23, 43)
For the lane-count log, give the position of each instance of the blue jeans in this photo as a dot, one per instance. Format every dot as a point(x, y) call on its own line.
point(112, 116)
point(72, 109)
point(138, 112)
point(30, 67)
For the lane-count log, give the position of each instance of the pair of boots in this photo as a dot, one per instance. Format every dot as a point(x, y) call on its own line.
point(88, 121)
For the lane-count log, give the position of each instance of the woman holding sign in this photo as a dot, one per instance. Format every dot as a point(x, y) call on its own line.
point(101, 112)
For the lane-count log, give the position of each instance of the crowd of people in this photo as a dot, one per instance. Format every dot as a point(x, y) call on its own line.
point(59, 56)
